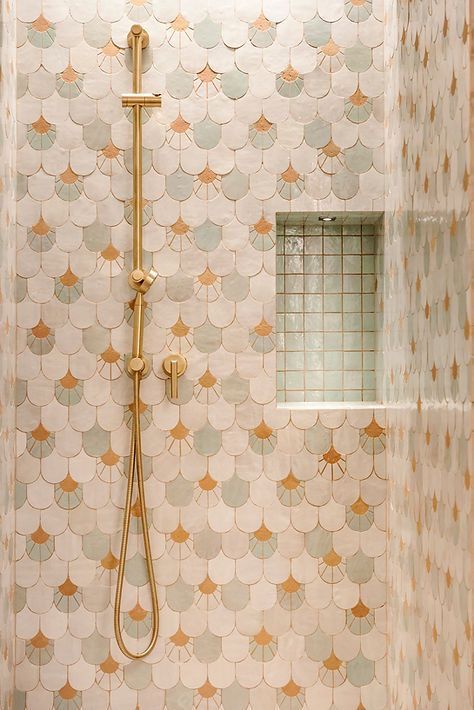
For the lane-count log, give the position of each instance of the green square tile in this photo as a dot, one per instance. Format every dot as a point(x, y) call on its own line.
point(313, 322)
point(313, 283)
point(333, 379)
point(294, 322)
point(353, 361)
point(313, 341)
point(332, 264)
point(352, 379)
point(333, 303)
point(352, 395)
point(368, 340)
point(333, 360)
point(368, 302)
point(352, 283)
point(332, 322)
point(313, 303)
point(293, 245)
point(369, 379)
point(294, 361)
point(313, 264)
point(352, 264)
point(295, 380)
point(294, 341)
point(368, 264)
point(332, 245)
point(294, 264)
point(352, 321)
point(332, 284)
point(333, 341)
point(333, 395)
point(314, 380)
point(352, 303)
point(294, 284)
point(294, 303)
point(352, 341)
point(314, 396)
point(369, 322)
point(369, 361)
point(313, 245)
point(368, 283)
point(314, 360)
point(352, 245)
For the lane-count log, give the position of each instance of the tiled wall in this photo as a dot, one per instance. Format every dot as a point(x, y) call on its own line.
point(268, 527)
point(7, 348)
point(428, 352)
point(326, 307)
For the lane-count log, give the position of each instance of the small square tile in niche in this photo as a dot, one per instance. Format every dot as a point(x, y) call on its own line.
point(329, 281)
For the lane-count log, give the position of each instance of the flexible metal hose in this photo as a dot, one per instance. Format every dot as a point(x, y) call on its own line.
point(136, 463)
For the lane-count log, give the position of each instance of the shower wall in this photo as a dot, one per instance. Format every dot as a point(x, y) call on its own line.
point(268, 526)
point(428, 332)
point(7, 348)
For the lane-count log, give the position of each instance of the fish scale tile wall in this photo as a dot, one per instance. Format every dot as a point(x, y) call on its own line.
point(268, 527)
point(7, 348)
point(428, 351)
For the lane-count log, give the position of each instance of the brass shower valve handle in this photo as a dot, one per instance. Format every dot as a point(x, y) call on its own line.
point(140, 99)
point(174, 366)
point(141, 281)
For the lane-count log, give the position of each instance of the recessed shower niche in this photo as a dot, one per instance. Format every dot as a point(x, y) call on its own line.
point(329, 306)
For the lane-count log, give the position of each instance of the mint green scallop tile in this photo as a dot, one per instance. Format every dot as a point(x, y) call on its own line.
point(318, 645)
point(95, 648)
point(235, 185)
point(179, 698)
point(179, 84)
point(137, 675)
point(235, 389)
point(235, 595)
point(207, 544)
point(96, 441)
point(360, 671)
point(96, 236)
point(207, 441)
point(179, 595)
point(235, 287)
point(179, 287)
point(207, 338)
point(179, 185)
point(207, 647)
point(234, 697)
point(97, 33)
point(96, 339)
point(95, 545)
point(360, 568)
point(358, 158)
point(318, 542)
point(179, 491)
point(208, 236)
point(235, 84)
point(207, 133)
point(345, 184)
point(317, 32)
point(318, 439)
point(96, 134)
point(207, 33)
point(235, 492)
point(358, 57)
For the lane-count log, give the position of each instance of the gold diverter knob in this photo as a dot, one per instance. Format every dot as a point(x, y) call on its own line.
point(174, 366)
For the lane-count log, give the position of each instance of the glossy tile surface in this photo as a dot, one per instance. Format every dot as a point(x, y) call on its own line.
point(268, 527)
point(428, 331)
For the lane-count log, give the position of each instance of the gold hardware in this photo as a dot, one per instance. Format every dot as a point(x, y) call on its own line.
point(174, 366)
point(137, 366)
point(141, 281)
point(145, 100)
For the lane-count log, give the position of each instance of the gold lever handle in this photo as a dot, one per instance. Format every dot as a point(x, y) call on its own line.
point(174, 366)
